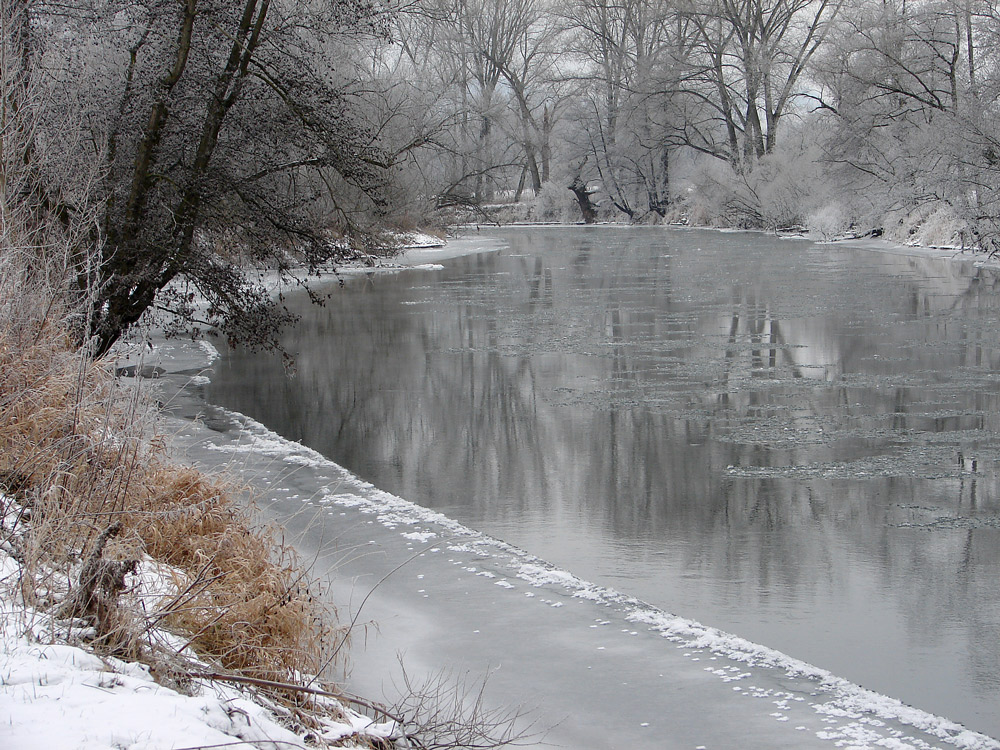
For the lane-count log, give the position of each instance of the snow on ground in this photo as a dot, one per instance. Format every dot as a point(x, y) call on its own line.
point(942, 252)
point(55, 693)
point(421, 239)
point(57, 696)
point(388, 268)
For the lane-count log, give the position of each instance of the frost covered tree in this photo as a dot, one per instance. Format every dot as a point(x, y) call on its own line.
point(715, 78)
point(911, 97)
point(488, 71)
point(753, 55)
point(224, 134)
point(531, 72)
point(627, 123)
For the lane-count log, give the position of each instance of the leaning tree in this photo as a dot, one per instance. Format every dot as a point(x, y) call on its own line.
point(225, 135)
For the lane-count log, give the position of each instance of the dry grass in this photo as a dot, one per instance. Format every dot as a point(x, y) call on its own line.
point(250, 603)
point(78, 452)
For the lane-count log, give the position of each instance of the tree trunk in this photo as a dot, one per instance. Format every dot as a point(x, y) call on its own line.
point(587, 210)
point(146, 151)
point(135, 273)
point(536, 178)
point(970, 49)
point(227, 91)
point(658, 192)
point(520, 183)
point(546, 147)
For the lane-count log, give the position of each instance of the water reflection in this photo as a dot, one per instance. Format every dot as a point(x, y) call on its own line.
point(794, 442)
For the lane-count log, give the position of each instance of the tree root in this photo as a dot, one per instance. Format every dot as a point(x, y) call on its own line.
point(100, 583)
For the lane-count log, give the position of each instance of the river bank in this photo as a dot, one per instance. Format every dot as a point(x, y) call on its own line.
point(142, 605)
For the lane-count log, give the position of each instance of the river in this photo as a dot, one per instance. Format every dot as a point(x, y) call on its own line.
point(793, 442)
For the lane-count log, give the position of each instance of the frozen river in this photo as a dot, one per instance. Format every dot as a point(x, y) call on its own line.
point(795, 443)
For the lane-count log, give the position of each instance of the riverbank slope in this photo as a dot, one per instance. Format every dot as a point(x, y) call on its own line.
point(142, 604)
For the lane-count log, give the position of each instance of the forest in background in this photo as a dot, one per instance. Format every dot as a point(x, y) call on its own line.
point(175, 147)
point(840, 116)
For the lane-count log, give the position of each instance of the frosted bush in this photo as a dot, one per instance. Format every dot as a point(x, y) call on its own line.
point(941, 227)
point(829, 221)
point(930, 224)
point(776, 193)
point(710, 194)
point(779, 202)
point(555, 202)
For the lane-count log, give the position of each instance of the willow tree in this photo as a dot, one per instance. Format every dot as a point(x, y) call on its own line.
point(229, 134)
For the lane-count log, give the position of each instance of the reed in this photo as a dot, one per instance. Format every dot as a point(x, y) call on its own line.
point(80, 453)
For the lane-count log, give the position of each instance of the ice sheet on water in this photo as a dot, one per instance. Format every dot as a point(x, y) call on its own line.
point(850, 713)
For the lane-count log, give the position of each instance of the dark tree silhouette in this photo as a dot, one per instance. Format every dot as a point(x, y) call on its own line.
point(230, 137)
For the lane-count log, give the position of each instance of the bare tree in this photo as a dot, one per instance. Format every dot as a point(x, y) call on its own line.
point(531, 70)
point(47, 196)
point(753, 54)
point(631, 52)
point(226, 134)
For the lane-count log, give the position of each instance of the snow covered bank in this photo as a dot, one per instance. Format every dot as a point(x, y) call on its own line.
point(954, 254)
point(126, 577)
point(56, 692)
point(141, 604)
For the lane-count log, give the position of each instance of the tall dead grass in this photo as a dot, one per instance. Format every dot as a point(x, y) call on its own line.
point(79, 452)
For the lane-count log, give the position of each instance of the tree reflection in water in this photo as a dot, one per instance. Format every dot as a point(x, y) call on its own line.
point(771, 436)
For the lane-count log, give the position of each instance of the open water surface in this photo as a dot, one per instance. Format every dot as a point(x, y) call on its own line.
point(794, 442)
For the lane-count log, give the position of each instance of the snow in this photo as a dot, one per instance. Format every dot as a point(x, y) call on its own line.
point(387, 268)
point(420, 240)
point(470, 244)
point(954, 254)
point(851, 701)
point(52, 695)
point(210, 351)
point(57, 694)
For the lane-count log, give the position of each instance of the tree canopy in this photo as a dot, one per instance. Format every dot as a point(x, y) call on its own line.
point(220, 135)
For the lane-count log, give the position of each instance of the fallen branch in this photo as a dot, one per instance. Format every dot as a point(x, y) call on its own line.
point(292, 687)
